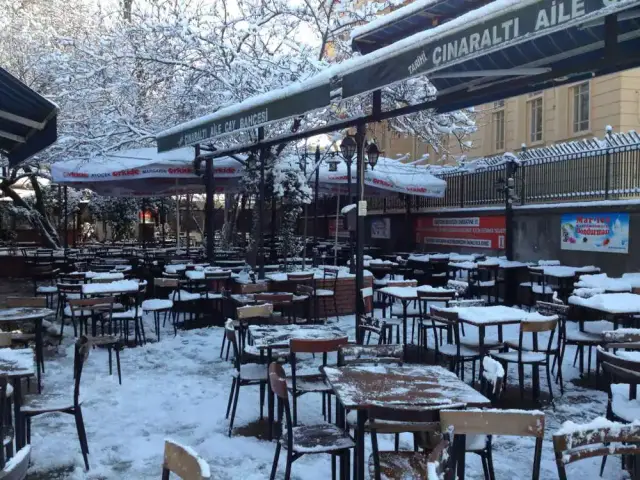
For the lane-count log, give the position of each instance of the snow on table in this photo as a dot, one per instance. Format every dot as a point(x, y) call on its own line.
point(430, 289)
point(403, 293)
point(604, 282)
point(360, 387)
point(200, 274)
point(632, 355)
point(21, 314)
point(121, 286)
point(278, 336)
point(620, 303)
point(17, 362)
point(632, 278)
point(562, 271)
point(318, 274)
point(495, 315)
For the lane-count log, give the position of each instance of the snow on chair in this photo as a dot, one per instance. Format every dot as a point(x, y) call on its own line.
point(184, 462)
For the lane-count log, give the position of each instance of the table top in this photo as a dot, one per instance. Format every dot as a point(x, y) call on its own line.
point(120, 286)
point(562, 271)
point(245, 298)
point(492, 315)
point(411, 293)
point(20, 314)
point(620, 303)
point(276, 336)
point(360, 387)
point(17, 362)
point(604, 282)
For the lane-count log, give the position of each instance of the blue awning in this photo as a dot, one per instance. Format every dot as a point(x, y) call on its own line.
point(432, 14)
point(28, 121)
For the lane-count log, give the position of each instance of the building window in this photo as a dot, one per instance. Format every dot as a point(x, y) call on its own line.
point(581, 107)
point(498, 129)
point(535, 120)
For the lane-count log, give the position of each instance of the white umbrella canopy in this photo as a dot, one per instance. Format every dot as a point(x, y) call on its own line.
point(143, 172)
point(387, 176)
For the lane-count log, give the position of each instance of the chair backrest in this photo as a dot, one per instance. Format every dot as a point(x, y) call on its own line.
point(16, 468)
point(297, 345)
point(274, 299)
point(576, 442)
point(536, 276)
point(622, 335)
point(549, 308)
point(300, 277)
point(278, 383)
point(535, 327)
point(498, 422)
point(166, 282)
point(81, 353)
point(254, 311)
point(444, 316)
point(402, 283)
point(494, 422)
point(184, 462)
point(254, 288)
point(475, 302)
point(370, 354)
point(459, 286)
point(34, 302)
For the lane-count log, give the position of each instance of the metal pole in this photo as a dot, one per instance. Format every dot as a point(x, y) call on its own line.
point(360, 212)
point(509, 184)
point(315, 201)
point(177, 222)
point(263, 159)
point(144, 211)
point(349, 202)
point(187, 233)
point(274, 218)
point(163, 217)
point(66, 219)
point(306, 219)
point(210, 212)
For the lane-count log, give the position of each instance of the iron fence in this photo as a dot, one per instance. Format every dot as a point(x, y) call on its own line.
point(593, 170)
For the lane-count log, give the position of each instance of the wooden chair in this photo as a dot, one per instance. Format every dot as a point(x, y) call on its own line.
point(536, 289)
point(494, 422)
point(399, 465)
point(370, 354)
point(484, 281)
point(44, 282)
point(282, 302)
point(457, 353)
point(383, 327)
point(425, 324)
point(244, 316)
point(305, 439)
point(582, 442)
point(17, 469)
point(51, 403)
point(184, 302)
point(314, 383)
point(245, 375)
point(132, 312)
point(328, 294)
point(492, 383)
point(622, 377)
point(159, 305)
point(581, 339)
point(303, 297)
point(66, 292)
point(184, 462)
point(99, 310)
point(531, 351)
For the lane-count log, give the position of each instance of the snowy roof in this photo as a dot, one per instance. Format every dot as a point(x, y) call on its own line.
point(426, 52)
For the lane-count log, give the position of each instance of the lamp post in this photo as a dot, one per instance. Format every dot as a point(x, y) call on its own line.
point(348, 149)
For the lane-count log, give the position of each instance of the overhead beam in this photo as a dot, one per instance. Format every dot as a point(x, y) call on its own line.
point(12, 136)
point(27, 122)
point(491, 73)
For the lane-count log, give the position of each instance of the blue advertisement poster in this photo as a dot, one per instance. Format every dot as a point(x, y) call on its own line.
point(595, 232)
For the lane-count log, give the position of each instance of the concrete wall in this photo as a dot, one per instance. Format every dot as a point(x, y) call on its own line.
point(537, 236)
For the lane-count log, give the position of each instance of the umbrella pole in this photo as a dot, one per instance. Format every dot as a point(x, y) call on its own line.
point(177, 222)
point(335, 244)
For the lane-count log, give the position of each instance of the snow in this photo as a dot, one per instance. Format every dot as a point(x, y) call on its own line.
point(18, 360)
point(632, 278)
point(383, 20)
point(400, 292)
point(346, 209)
point(318, 274)
point(610, 302)
point(562, 271)
point(604, 282)
point(120, 286)
point(464, 265)
point(156, 304)
point(14, 461)
point(496, 314)
point(430, 289)
point(492, 371)
point(184, 375)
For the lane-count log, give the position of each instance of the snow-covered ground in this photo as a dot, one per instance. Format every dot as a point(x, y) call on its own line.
point(178, 388)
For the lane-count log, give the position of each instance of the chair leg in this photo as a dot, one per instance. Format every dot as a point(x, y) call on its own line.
point(396, 442)
point(110, 361)
point(549, 378)
point(224, 339)
point(521, 379)
point(235, 406)
point(287, 472)
point(82, 436)
point(276, 456)
point(485, 467)
point(118, 365)
point(262, 392)
point(490, 463)
point(333, 467)
point(233, 389)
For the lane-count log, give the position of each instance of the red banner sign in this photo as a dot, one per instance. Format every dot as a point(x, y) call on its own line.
point(471, 232)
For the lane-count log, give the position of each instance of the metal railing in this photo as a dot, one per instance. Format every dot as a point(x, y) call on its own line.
point(607, 169)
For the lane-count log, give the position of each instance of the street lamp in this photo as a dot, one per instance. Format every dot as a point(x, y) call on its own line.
point(348, 148)
point(373, 153)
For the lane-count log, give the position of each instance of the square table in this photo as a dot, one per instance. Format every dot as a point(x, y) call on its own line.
point(30, 314)
point(267, 337)
point(17, 364)
point(410, 294)
point(118, 287)
point(360, 387)
point(613, 305)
